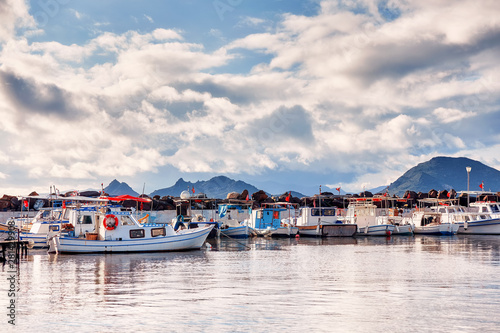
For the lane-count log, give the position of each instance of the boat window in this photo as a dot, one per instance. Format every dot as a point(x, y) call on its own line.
point(483, 217)
point(315, 212)
point(158, 232)
point(54, 228)
point(276, 214)
point(484, 209)
point(137, 233)
point(495, 209)
point(467, 219)
point(85, 219)
point(329, 212)
point(259, 214)
point(442, 210)
point(126, 220)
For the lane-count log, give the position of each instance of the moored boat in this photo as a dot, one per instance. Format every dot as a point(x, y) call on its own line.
point(233, 219)
point(268, 220)
point(364, 213)
point(102, 230)
point(428, 220)
point(322, 222)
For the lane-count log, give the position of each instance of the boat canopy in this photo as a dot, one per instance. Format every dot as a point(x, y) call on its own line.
point(127, 197)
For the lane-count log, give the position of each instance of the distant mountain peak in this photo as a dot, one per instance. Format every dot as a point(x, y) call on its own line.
point(445, 173)
point(117, 188)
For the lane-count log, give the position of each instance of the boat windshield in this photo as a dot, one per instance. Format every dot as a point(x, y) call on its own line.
point(126, 220)
point(495, 209)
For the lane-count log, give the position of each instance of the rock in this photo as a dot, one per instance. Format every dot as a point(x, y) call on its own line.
point(433, 193)
point(243, 195)
point(90, 194)
point(259, 196)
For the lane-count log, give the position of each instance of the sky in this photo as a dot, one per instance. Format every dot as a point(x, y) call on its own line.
point(285, 95)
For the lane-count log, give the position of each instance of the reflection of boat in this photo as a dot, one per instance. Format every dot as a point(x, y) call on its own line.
point(102, 230)
point(266, 221)
point(313, 221)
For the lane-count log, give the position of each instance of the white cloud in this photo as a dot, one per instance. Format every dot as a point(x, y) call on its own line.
point(339, 92)
point(446, 116)
point(14, 15)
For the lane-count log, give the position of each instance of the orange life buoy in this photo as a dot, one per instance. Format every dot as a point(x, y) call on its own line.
point(110, 222)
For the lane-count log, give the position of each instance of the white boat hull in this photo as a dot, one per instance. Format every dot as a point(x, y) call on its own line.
point(189, 240)
point(376, 230)
point(405, 229)
point(238, 232)
point(484, 227)
point(278, 232)
point(310, 231)
point(440, 229)
point(38, 241)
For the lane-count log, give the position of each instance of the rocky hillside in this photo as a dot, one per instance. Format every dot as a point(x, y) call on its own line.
point(444, 173)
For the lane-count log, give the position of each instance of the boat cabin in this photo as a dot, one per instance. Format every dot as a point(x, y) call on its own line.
point(314, 216)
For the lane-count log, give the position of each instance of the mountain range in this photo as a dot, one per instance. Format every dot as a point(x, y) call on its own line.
point(439, 173)
point(217, 187)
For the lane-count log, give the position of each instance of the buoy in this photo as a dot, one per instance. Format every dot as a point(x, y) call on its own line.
point(297, 236)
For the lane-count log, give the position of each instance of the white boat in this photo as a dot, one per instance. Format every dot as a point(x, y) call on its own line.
point(322, 221)
point(481, 218)
point(429, 220)
point(46, 223)
point(365, 214)
point(492, 208)
point(268, 220)
point(51, 221)
point(101, 230)
point(233, 219)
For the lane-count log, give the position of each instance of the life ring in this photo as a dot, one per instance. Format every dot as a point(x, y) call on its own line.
point(110, 222)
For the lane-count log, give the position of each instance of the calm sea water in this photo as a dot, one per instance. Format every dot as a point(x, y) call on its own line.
point(397, 284)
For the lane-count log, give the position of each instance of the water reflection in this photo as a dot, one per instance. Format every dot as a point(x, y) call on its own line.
point(376, 284)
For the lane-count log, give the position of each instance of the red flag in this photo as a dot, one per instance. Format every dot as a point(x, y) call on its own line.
point(193, 190)
point(481, 185)
point(25, 203)
point(314, 203)
point(288, 197)
point(449, 194)
point(64, 204)
point(338, 189)
point(247, 198)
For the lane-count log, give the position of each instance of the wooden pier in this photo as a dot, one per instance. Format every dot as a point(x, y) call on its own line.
point(17, 247)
